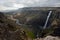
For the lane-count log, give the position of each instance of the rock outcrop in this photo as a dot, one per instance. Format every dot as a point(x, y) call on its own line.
point(48, 38)
point(9, 30)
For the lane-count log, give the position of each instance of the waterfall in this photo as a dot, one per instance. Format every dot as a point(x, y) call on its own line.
point(47, 19)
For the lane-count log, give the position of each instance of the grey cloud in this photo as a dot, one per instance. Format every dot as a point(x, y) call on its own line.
point(40, 3)
point(30, 3)
point(52, 3)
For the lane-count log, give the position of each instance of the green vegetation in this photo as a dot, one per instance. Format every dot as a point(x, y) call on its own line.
point(30, 34)
point(28, 31)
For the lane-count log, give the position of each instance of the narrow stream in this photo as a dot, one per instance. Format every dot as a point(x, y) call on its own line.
point(17, 22)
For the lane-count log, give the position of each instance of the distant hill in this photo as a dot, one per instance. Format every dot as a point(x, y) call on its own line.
point(32, 8)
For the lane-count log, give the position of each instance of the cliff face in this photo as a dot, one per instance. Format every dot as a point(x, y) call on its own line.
point(9, 30)
point(33, 20)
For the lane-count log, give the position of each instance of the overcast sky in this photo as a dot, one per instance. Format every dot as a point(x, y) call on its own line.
point(15, 4)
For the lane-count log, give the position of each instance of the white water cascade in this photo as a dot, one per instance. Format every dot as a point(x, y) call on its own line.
point(47, 19)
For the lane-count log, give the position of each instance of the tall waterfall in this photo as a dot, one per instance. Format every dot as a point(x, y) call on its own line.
point(47, 19)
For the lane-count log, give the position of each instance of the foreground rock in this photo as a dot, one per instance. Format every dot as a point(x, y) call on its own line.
point(51, 38)
point(48, 38)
